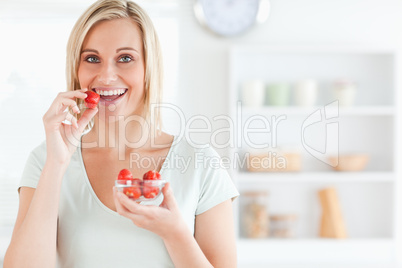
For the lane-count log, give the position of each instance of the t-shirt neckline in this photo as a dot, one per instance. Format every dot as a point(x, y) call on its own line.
point(91, 190)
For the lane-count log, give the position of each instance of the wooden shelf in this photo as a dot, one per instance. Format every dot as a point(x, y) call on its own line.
point(317, 177)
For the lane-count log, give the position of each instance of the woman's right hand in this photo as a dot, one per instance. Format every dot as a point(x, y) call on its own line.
point(62, 139)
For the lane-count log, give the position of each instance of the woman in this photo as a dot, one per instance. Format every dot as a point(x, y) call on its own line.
point(69, 212)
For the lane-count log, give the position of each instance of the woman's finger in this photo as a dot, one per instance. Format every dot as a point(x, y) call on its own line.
point(55, 120)
point(74, 122)
point(67, 99)
point(85, 118)
point(119, 208)
point(132, 206)
point(65, 103)
point(125, 212)
point(169, 201)
point(73, 94)
point(118, 197)
point(70, 118)
point(65, 116)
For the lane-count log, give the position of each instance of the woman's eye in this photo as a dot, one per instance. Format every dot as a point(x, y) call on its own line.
point(91, 59)
point(125, 59)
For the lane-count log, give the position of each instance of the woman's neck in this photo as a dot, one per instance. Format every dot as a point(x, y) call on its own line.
point(132, 132)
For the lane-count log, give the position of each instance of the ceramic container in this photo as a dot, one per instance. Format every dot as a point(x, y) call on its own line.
point(345, 92)
point(278, 94)
point(305, 93)
point(253, 93)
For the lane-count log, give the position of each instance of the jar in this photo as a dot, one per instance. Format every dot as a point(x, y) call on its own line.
point(278, 94)
point(253, 93)
point(305, 93)
point(255, 218)
point(283, 225)
point(344, 92)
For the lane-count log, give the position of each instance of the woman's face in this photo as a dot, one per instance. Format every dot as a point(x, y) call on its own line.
point(112, 65)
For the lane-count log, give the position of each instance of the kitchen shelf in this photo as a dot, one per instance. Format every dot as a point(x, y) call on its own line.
point(369, 199)
point(305, 111)
point(313, 177)
point(319, 250)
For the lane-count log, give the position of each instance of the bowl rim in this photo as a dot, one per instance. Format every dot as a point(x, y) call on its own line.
point(140, 183)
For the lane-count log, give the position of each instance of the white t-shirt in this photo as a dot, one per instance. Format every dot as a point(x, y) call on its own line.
point(92, 235)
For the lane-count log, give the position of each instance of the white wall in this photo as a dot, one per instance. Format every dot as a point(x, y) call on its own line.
point(203, 56)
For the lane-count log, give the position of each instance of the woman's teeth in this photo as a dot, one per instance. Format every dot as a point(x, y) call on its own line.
point(110, 92)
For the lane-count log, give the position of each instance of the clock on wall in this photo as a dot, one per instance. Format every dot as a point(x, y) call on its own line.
point(231, 17)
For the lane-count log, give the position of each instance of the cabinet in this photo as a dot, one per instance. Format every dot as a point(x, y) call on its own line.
point(368, 198)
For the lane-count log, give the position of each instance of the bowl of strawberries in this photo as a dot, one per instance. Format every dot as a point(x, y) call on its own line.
point(146, 189)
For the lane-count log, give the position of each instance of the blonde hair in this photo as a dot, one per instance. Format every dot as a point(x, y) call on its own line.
point(117, 9)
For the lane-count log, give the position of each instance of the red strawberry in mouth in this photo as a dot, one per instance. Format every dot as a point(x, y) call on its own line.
point(92, 99)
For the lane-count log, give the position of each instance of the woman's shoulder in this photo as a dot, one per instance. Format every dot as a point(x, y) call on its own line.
point(201, 156)
point(39, 152)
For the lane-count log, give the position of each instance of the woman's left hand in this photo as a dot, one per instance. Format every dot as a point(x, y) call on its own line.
point(164, 220)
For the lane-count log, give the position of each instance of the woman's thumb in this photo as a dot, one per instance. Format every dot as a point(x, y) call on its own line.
point(169, 200)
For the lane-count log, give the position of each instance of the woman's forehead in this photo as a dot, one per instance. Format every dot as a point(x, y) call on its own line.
point(114, 34)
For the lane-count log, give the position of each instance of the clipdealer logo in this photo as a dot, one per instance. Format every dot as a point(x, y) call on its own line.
point(239, 133)
point(329, 115)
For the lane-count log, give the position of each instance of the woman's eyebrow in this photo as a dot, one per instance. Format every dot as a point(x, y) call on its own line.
point(90, 50)
point(126, 48)
point(117, 50)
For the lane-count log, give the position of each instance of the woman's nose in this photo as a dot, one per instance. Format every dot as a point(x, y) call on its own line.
point(107, 74)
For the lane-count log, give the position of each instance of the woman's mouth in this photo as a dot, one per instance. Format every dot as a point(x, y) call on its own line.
point(110, 95)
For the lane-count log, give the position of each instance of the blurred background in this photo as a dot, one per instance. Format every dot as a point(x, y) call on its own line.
point(327, 72)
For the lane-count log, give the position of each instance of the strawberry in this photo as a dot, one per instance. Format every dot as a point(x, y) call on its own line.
point(150, 191)
point(125, 174)
point(92, 99)
point(152, 175)
point(132, 192)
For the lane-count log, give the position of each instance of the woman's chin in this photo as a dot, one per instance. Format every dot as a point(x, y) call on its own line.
point(109, 113)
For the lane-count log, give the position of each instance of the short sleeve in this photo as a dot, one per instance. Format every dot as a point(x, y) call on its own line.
point(33, 167)
point(217, 186)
